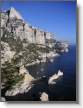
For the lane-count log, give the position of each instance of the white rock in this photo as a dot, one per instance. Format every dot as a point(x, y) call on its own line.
point(60, 73)
point(14, 13)
point(22, 70)
point(40, 37)
point(54, 77)
point(44, 97)
point(6, 53)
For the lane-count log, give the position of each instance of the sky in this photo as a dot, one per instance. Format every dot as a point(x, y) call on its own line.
point(56, 17)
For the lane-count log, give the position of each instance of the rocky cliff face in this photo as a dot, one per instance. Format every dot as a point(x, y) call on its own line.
point(23, 45)
point(6, 53)
point(13, 22)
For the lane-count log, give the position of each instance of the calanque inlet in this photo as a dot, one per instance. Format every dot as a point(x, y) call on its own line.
point(22, 46)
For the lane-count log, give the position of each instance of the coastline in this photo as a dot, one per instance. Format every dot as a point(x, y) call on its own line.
point(49, 56)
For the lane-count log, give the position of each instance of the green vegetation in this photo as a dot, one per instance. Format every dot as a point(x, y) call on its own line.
point(10, 74)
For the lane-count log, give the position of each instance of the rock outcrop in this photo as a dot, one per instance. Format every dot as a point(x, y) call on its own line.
point(6, 53)
point(23, 86)
point(53, 78)
point(44, 97)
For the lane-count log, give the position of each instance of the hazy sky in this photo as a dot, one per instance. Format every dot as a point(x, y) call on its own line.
point(56, 17)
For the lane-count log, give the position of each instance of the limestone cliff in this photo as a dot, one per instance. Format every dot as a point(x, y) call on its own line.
point(13, 22)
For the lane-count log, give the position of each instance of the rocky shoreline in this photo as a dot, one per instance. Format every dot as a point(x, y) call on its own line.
point(44, 57)
point(29, 82)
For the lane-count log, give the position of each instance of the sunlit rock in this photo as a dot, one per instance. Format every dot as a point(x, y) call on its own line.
point(55, 77)
point(14, 14)
point(6, 53)
point(23, 86)
point(44, 97)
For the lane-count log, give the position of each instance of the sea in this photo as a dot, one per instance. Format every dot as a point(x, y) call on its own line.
point(65, 87)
